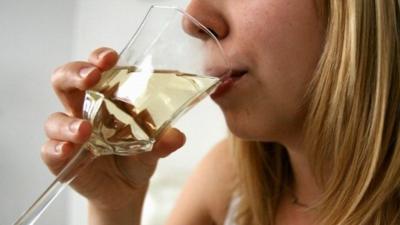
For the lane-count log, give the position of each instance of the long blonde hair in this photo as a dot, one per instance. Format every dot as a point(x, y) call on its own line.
point(352, 125)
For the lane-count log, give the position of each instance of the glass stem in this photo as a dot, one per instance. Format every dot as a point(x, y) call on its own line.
point(65, 177)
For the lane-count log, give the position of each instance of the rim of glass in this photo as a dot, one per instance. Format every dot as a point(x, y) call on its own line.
point(193, 20)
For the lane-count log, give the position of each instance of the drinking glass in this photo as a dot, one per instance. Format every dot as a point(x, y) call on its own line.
point(160, 74)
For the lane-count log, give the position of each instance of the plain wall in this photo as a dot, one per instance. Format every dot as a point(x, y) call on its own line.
point(35, 37)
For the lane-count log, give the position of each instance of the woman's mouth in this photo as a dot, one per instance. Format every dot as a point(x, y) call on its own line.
point(228, 82)
point(237, 74)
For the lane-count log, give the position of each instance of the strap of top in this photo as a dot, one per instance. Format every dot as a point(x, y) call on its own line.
point(232, 210)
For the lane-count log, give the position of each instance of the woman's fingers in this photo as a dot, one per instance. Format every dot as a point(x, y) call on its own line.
point(71, 80)
point(60, 126)
point(56, 154)
point(66, 135)
point(137, 169)
point(75, 76)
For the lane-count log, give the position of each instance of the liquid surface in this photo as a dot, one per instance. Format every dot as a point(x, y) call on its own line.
point(130, 108)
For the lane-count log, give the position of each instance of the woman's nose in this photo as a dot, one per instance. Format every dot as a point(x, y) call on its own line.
point(208, 15)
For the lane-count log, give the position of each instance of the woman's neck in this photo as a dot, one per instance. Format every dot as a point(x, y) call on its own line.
point(304, 186)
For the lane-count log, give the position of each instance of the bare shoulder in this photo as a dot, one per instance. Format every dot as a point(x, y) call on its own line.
point(219, 171)
point(206, 195)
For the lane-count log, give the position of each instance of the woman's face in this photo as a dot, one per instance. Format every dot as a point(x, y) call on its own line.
point(276, 44)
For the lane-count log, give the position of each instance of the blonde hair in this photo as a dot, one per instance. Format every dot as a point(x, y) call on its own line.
point(352, 125)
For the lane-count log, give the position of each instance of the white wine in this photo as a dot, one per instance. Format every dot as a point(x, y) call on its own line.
point(129, 108)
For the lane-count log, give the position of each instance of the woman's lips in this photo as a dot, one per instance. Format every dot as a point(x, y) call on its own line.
point(227, 83)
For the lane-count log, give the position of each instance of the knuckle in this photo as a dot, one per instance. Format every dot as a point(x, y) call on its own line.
point(59, 75)
point(51, 119)
point(71, 69)
point(61, 130)
point(45, 152)
point(55, 115)
point(57, 69)
point(49, 123)
point(56, 75)
point(56, 126)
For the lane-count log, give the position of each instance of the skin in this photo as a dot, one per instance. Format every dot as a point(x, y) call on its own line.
point(278, 44)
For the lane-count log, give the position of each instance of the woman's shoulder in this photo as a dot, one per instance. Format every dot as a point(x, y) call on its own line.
point(206, 196)
point(220, 171)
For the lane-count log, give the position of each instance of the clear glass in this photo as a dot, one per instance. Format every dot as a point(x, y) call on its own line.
point(161, 73)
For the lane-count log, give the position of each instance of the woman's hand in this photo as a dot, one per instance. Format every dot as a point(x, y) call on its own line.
point(109, 182)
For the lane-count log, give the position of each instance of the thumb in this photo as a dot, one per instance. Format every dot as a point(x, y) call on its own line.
point(139, 168)
point(171, 140)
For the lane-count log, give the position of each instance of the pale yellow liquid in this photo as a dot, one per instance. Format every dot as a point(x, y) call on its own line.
point(129, 108)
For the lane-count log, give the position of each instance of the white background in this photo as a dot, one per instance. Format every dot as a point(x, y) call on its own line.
point(35, 38)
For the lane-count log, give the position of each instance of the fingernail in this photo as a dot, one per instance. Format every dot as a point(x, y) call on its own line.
point(74, 126)
point(84, 72)
point(104, 53)
point(58, 148)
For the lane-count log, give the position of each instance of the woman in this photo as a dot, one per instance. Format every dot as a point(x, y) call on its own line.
point(314, 120)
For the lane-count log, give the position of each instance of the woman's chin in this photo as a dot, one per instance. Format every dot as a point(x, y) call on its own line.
point(248, 133)
point(250, 128)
